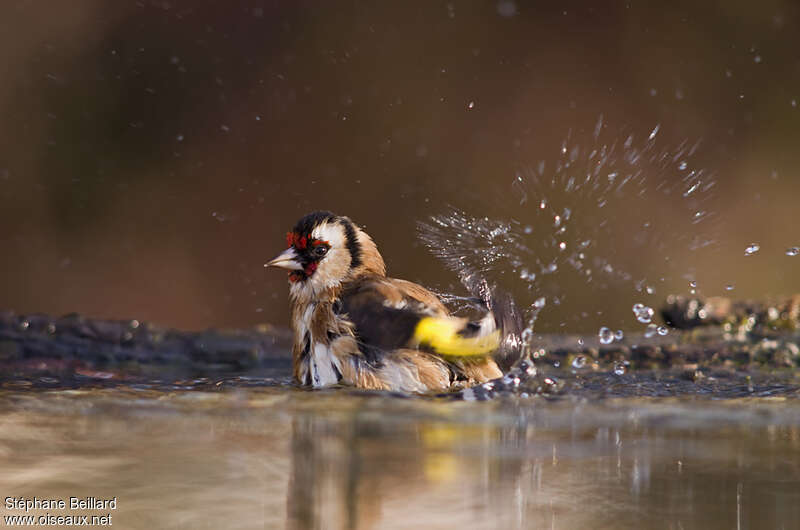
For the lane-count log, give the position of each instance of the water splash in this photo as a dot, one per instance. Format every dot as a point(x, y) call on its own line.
point(579, 362)
point(605, 335)
point(564, 225)
point(643, 313)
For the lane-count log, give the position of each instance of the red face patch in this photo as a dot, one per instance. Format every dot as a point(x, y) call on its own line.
point(293, 238)
point(315, 253)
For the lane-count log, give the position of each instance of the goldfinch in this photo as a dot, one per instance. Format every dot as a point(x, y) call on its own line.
point(354, 326)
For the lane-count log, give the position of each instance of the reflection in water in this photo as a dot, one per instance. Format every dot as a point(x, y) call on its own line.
point(268, 458)
point(666, 467)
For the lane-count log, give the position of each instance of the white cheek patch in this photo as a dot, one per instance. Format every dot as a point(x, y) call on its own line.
point(333, 268)
point(332, 233)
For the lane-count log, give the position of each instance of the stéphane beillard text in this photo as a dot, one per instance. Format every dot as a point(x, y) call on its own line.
point(73, 503)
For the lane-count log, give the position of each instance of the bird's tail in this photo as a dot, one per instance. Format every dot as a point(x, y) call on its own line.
point(509, 322)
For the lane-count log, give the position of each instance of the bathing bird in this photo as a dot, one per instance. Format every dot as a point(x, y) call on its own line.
point(353, 325)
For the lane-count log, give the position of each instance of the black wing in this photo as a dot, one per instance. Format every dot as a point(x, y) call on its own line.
point(385, 317)
point(389, 314)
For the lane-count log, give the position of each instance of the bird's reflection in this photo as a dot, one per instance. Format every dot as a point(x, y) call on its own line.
point(353, 469)
point(361, 469)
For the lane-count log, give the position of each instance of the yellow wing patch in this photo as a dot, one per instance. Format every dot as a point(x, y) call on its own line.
point(441, 334)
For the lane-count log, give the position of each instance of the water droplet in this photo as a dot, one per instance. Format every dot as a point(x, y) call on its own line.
point(506, 8)
point(730, 287)
point(794, 103)
point(662, 330)
point(682, 165)
point(471, 105)
point(619, 335)
point(757, 59)
point(606, 335)
point(528, 368)
point(655, 131)
point(650, 289)
point(528, 229)
point(497, 232)
point(542, 204)
point(793, 251)
point(556, 364)
point(651, 330)
point(619, 368)
point(751, 249)
point(562, 245)
point(579, 362)
point(527, 336)
point(643, 313)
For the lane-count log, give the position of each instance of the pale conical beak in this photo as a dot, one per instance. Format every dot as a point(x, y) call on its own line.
point(286, 260)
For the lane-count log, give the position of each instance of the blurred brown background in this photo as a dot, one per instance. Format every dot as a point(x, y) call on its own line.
point(153, 154)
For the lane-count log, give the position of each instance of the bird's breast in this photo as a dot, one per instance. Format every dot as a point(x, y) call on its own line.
point(318, 363)
point(325, 367)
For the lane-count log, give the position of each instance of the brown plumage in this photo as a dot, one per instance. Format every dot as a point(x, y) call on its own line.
point(355, 326)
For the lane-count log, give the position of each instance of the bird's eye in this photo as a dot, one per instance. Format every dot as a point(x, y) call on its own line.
point(319, 251)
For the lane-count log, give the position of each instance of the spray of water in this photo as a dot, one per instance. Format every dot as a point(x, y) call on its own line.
point(567, 224)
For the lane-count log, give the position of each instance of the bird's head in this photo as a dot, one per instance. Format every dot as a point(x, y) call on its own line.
point(326, 250)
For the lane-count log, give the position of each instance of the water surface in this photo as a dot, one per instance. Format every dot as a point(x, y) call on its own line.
point(264, 456)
